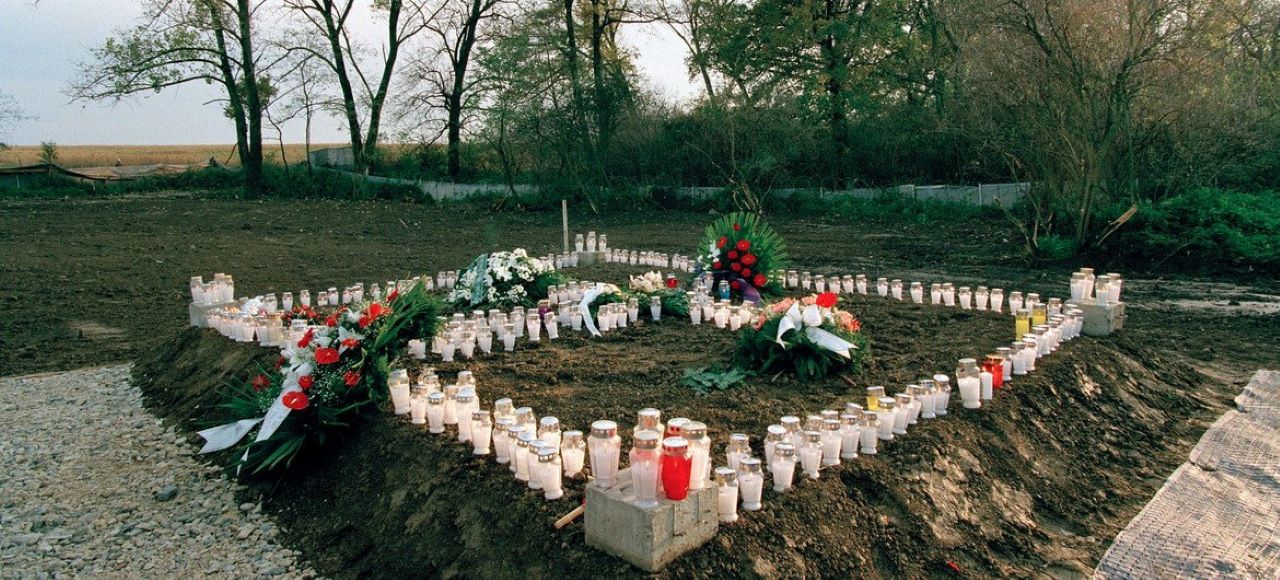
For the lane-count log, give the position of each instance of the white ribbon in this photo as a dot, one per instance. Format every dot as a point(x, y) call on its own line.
point(225, 436)
point(810, 319)
point(585, 308)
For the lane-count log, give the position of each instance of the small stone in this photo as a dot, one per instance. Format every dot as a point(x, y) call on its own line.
point(167, 493)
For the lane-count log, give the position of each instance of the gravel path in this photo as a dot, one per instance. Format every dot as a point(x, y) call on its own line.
point(92, 484)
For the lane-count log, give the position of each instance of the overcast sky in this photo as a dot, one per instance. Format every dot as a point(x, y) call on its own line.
point(40, 45)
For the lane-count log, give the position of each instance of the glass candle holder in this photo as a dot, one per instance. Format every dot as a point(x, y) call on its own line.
point(917, 293)
point(435, 412)
point(550, 473)
point(526, 420)
point(969, 384)
point(935, 293)
point(604, 446)
point(535, 468)
point(986, 381)
point(886, 410)
point(966, 298)
point(850, 430)
point(677, 468)
point(794, 435)
point(1006, 364)
point(649, 419)
point(981, 297)
point(645, 462)
point(573, 452)
point(774, 435)
point(915, 403)
point(1077, 286)
point(846, 284)
point(948, 294)
point(806, 280)
point(750, 483)
point(481, 432)
point(699, 444)
point(727, 494)
point(500, 439)
point(783, 467)
point(811, 453)
point(942, 401)
point(901, 412)
point(812, 423)
point(739, 446)
point(604, 242)
point(513, 448)
point(1039, 314)
point(869, 432)
point(655, 308)
point(549, 431)
point(882, 287)
point(994, 364)
point(1030, 348)
point(418, 405)
point(1114, 283)
point(819, 283)
point(874, 394)
point(860, 283)
point(929, 394)
point(831, 441)
point(464, 404)
point(398, 385)
point(1015, 301)
point(895, 289)
point(520, 455)
point(1021, 322)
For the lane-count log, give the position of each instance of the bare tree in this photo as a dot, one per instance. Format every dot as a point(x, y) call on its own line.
point(185, 41)
point(10, 115)
point(405, 19)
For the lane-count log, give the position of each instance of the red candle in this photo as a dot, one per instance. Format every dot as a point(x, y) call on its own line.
point(994, 364)
point(676, 467)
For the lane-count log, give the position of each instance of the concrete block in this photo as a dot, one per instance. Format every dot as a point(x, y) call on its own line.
point(649, 538)
point(590, 258)
point(198, 313)
point(1101, 320)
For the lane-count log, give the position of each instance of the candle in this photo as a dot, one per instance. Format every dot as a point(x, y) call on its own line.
point(873, 398)
point(750, 483)
point(1029, 349)
point(783, 467)
point(861, 283)
point(727, 494)
point(549, 431)
point(655, 308)
point(550, 472)
point(942, 400)
point(699, 447)
point(398, 385)
point(793, 279)
point(885, 412)
point(846, 284)
point(481, 432)
point(792, 424)
point(1039, 314)
point(649, 420)
point(721, 316)
point(1019, 359)
point(435, 412)
point(927, 398)
point(935, 293)
point(645, 462)
point(500, 449)
point(811, 453)
point(850, 429)
point(1015, 301)
point(916, 405)
point(969, 383)
point(966, 298)
point(987, 381)
point(917, 292)
point(1006, 365)
point(832, 441)
point(1021, 322)
point(980, 297)
point(774, 435)
point(675, 427)
point(806, 280)
point(695, 313)
point(573, 451)
point(551, 324)
point(739, 447)
point(869, 432)
point(418, 405)
point(948, 294)
point(534, 322)
point(1114, 282)
point(604, 446)
point(882, 287)
point(902, 412)
point(520, 457)
point(677, 468)
point(535, 466)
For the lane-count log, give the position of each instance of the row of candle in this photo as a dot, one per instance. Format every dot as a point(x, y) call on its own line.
point(220, 290)
point(538, 451)
point(1103, 290)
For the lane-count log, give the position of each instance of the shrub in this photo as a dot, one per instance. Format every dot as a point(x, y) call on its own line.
point(1210, 229)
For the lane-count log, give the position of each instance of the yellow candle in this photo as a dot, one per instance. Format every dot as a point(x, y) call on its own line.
point(1022, 323)
point(873, 398)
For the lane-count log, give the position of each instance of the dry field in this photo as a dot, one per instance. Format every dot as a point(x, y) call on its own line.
point(101, 155)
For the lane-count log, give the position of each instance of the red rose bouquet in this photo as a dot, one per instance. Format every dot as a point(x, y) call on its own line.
point(743, 250)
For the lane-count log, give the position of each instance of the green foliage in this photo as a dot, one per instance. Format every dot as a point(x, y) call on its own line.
point(758, 350)
point(767, 247)
point(49, 152)
point(706, 380)
point(887, 207)
point(1055, 247)
point(1211, 229)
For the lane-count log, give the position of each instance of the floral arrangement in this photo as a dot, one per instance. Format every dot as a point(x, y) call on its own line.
point(503, 280)
point(674, 302)
point(809, 336)
point(742, 249)
point(330, 379)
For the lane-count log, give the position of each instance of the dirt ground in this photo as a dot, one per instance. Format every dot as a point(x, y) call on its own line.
point(1037, 483)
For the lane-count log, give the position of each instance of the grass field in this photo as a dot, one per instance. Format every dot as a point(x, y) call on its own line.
point(101, 155)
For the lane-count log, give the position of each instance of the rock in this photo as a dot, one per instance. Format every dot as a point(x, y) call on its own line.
point(167, 493)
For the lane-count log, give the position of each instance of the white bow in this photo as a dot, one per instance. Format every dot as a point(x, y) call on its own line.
point(585, 308)
point(225, 436)
point(810, 319)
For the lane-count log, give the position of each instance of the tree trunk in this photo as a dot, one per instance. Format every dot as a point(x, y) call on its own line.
point(388, 67)
point(453, 103)
point(229, 81)
point(253, 105)
point(333, 33)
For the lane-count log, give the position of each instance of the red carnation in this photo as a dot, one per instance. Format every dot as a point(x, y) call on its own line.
point(351, 378)
point(744, 245)
point(735, 285)
point(376, 309)
point(760, 280)
point(306, 338)
point(672, 282)
point(331, 320)
point(261, 382)
point(736, 267)
point(365, 321)
point(393, 295)
point(326, 356)
point(721, 242)
point(296, 400)
point(737, 227)
point(305, 381)
point(733, 255)
point(749, 259)
point(715, 265)
point(746, 273)
point(826, 299)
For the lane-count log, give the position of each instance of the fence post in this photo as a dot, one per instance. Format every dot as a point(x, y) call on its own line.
point(980, 200)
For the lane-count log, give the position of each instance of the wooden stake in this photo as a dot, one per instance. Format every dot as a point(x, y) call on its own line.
point(849, 380)
point(564, 218)
point(569, 517)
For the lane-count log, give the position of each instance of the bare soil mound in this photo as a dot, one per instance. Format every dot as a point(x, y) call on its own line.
point(1038, 481)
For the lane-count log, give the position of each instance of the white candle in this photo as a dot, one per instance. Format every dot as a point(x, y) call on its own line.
point(986, 378)
point(572, 453)
point(850, 431)
point(727, 494)
point(481, 432)
point(869, 432)
point(831, 442)
point(969, 391)
point(750, 483)
point(784, 466)
point(435, 412)
point(549, 468)
point(501, 449)
point(535, 467)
